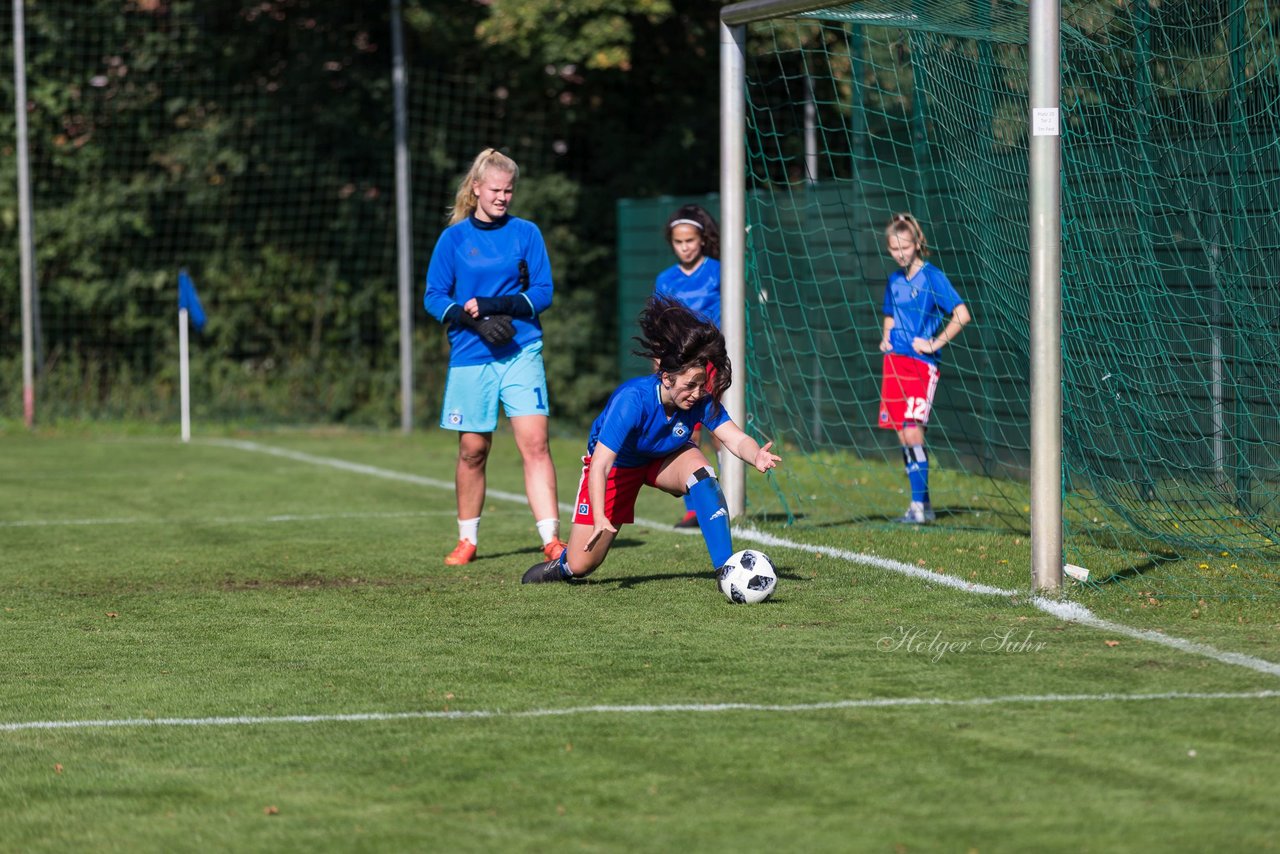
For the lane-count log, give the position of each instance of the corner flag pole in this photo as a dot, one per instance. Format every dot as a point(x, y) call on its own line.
point(190, 312)
point(184, 374)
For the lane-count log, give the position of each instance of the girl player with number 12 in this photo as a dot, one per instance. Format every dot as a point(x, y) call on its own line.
point(917, 298)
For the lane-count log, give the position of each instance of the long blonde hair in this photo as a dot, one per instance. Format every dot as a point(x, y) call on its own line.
point(906, 224)
point(464, 203)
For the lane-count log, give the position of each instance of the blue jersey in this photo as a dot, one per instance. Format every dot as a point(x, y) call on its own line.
point(480, 259)
point(699, 290)
point(636, 425)
point(918, 306)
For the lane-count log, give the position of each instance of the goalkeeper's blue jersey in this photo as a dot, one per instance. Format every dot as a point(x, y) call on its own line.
point(480, 259)
point(919, 306)
point(699, 290)
point(635, 424)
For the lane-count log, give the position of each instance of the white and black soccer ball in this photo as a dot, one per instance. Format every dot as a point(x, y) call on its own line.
point(747, 577)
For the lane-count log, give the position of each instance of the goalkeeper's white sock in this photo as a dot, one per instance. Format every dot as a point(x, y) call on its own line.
point(469, 529)
point(548, 529)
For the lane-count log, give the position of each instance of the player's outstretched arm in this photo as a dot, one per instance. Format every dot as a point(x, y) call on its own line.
point(745, 448)
point(602, 459)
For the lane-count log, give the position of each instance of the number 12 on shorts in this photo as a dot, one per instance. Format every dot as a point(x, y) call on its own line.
point(917, 409)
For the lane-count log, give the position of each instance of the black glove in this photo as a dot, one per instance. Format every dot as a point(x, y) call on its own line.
point(496, 329)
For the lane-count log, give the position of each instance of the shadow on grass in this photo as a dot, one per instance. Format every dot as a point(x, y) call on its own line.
point(952, 517)
point(629, 581)
point(1138, 570)
point(535, 555)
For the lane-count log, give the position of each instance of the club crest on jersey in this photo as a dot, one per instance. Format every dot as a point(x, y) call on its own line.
point(680, 430)
point(455, 417)
point(915, 292)
point(584, 509)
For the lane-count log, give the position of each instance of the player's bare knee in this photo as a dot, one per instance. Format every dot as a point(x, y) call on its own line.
point(473, 458)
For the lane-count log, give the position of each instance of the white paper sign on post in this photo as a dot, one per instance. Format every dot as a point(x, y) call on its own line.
point(1044, 121)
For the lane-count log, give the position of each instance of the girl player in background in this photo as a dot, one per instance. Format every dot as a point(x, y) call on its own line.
point(693, 280)
point(644, 437)
point(917, 299)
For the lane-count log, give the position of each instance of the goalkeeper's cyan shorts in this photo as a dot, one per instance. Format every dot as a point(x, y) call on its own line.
point(472, 393)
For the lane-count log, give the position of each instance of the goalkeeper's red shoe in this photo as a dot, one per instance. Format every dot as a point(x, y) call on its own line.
point(690, 520)
point(554, 549)
point(463, 552)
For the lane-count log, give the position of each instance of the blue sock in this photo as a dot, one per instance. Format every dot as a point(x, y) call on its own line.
point(688, 505)
point(563, 564)
point(917, 463)
point(708, 502)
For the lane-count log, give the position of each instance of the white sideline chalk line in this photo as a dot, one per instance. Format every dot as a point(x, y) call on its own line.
point(222, 520)
point(1069, 611)
point(870, 703)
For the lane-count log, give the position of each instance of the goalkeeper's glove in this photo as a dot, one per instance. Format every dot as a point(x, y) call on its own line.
point(496, 329)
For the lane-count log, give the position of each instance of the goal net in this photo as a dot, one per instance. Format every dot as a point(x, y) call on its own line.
point(1171, 314)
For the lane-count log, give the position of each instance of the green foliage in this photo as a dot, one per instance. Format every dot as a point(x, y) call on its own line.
point(598, 33)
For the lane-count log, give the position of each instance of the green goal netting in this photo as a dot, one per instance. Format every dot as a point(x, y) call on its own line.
point(1171, 311)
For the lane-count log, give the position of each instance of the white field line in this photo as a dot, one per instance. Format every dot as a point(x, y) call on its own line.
point(1069, 611)
point(674, 708)
point(223, 520)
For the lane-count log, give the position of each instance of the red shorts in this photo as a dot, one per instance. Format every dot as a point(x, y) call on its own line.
point(906, 392)
point(620, 492)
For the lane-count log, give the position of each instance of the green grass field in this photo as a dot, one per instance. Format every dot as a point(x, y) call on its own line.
point(250, 643)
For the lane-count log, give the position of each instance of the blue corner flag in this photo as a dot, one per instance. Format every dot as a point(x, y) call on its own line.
point(188, 299)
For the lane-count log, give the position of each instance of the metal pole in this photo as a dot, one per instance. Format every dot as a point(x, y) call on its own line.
point(26, 232)
point(1217, 374)
point(404, 229)
point(184, 374)
point(810, 200)
point(1044, 178)
point(810, 130)
point(733, 230)
point(747, 11)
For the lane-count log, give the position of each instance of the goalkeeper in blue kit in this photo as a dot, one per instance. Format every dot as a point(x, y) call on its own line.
point(489, 279)
point(644, 437)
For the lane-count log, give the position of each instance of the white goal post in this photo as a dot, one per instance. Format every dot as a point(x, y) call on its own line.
point(1045, 251)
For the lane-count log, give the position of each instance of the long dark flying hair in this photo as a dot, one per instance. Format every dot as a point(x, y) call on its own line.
point(677, 338)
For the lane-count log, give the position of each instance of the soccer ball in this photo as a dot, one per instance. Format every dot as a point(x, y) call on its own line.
point(747, 577)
